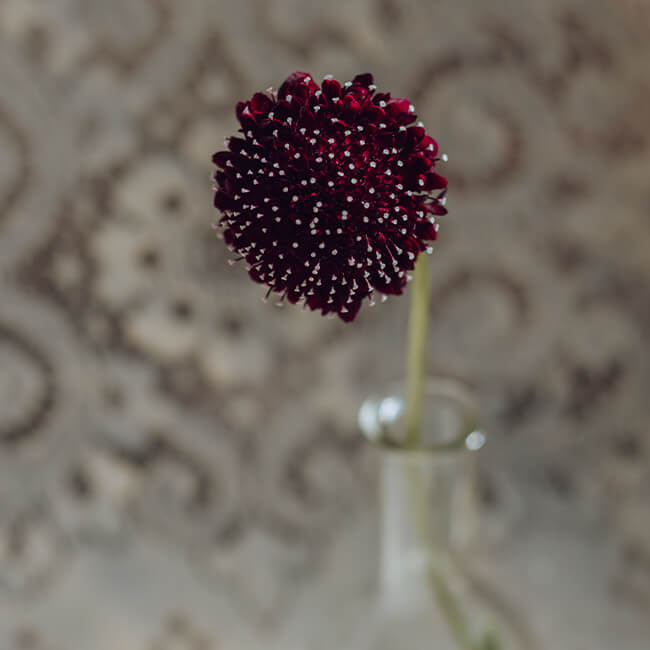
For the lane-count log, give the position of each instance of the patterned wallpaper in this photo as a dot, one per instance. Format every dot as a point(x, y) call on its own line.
point(179, 462)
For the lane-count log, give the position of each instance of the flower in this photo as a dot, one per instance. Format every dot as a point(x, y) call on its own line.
point(329, 193)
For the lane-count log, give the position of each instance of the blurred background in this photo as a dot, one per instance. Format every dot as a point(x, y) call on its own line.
point(180, 466)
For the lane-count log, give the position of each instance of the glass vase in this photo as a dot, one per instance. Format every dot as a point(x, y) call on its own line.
point(428, 596)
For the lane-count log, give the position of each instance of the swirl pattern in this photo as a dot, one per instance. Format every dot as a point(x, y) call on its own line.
point(179, 463)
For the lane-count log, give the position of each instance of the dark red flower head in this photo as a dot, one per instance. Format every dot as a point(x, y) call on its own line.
point(329, 194)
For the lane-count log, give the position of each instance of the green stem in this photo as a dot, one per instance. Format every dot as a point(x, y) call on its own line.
point(448, 604)
point(417, 340)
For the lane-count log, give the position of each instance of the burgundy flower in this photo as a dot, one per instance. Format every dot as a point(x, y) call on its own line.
point(329, 194)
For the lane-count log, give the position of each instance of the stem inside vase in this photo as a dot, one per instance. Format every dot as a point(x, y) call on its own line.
point(448, 604)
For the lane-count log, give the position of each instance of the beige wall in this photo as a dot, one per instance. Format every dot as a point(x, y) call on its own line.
point(179, 460)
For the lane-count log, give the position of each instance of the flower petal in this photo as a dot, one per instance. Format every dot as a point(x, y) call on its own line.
point(364, 79)
point(221, 158)
point(260, 104)
point(331, 88)
point(294, 80)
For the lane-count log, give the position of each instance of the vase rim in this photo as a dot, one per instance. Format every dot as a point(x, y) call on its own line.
point(380, 414)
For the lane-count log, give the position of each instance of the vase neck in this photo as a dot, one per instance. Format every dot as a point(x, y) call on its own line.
point(426, 512)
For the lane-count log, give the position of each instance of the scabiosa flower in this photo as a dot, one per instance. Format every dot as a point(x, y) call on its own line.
point(331, 193)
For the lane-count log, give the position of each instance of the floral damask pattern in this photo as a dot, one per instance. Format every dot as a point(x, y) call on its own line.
point(179, 463)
